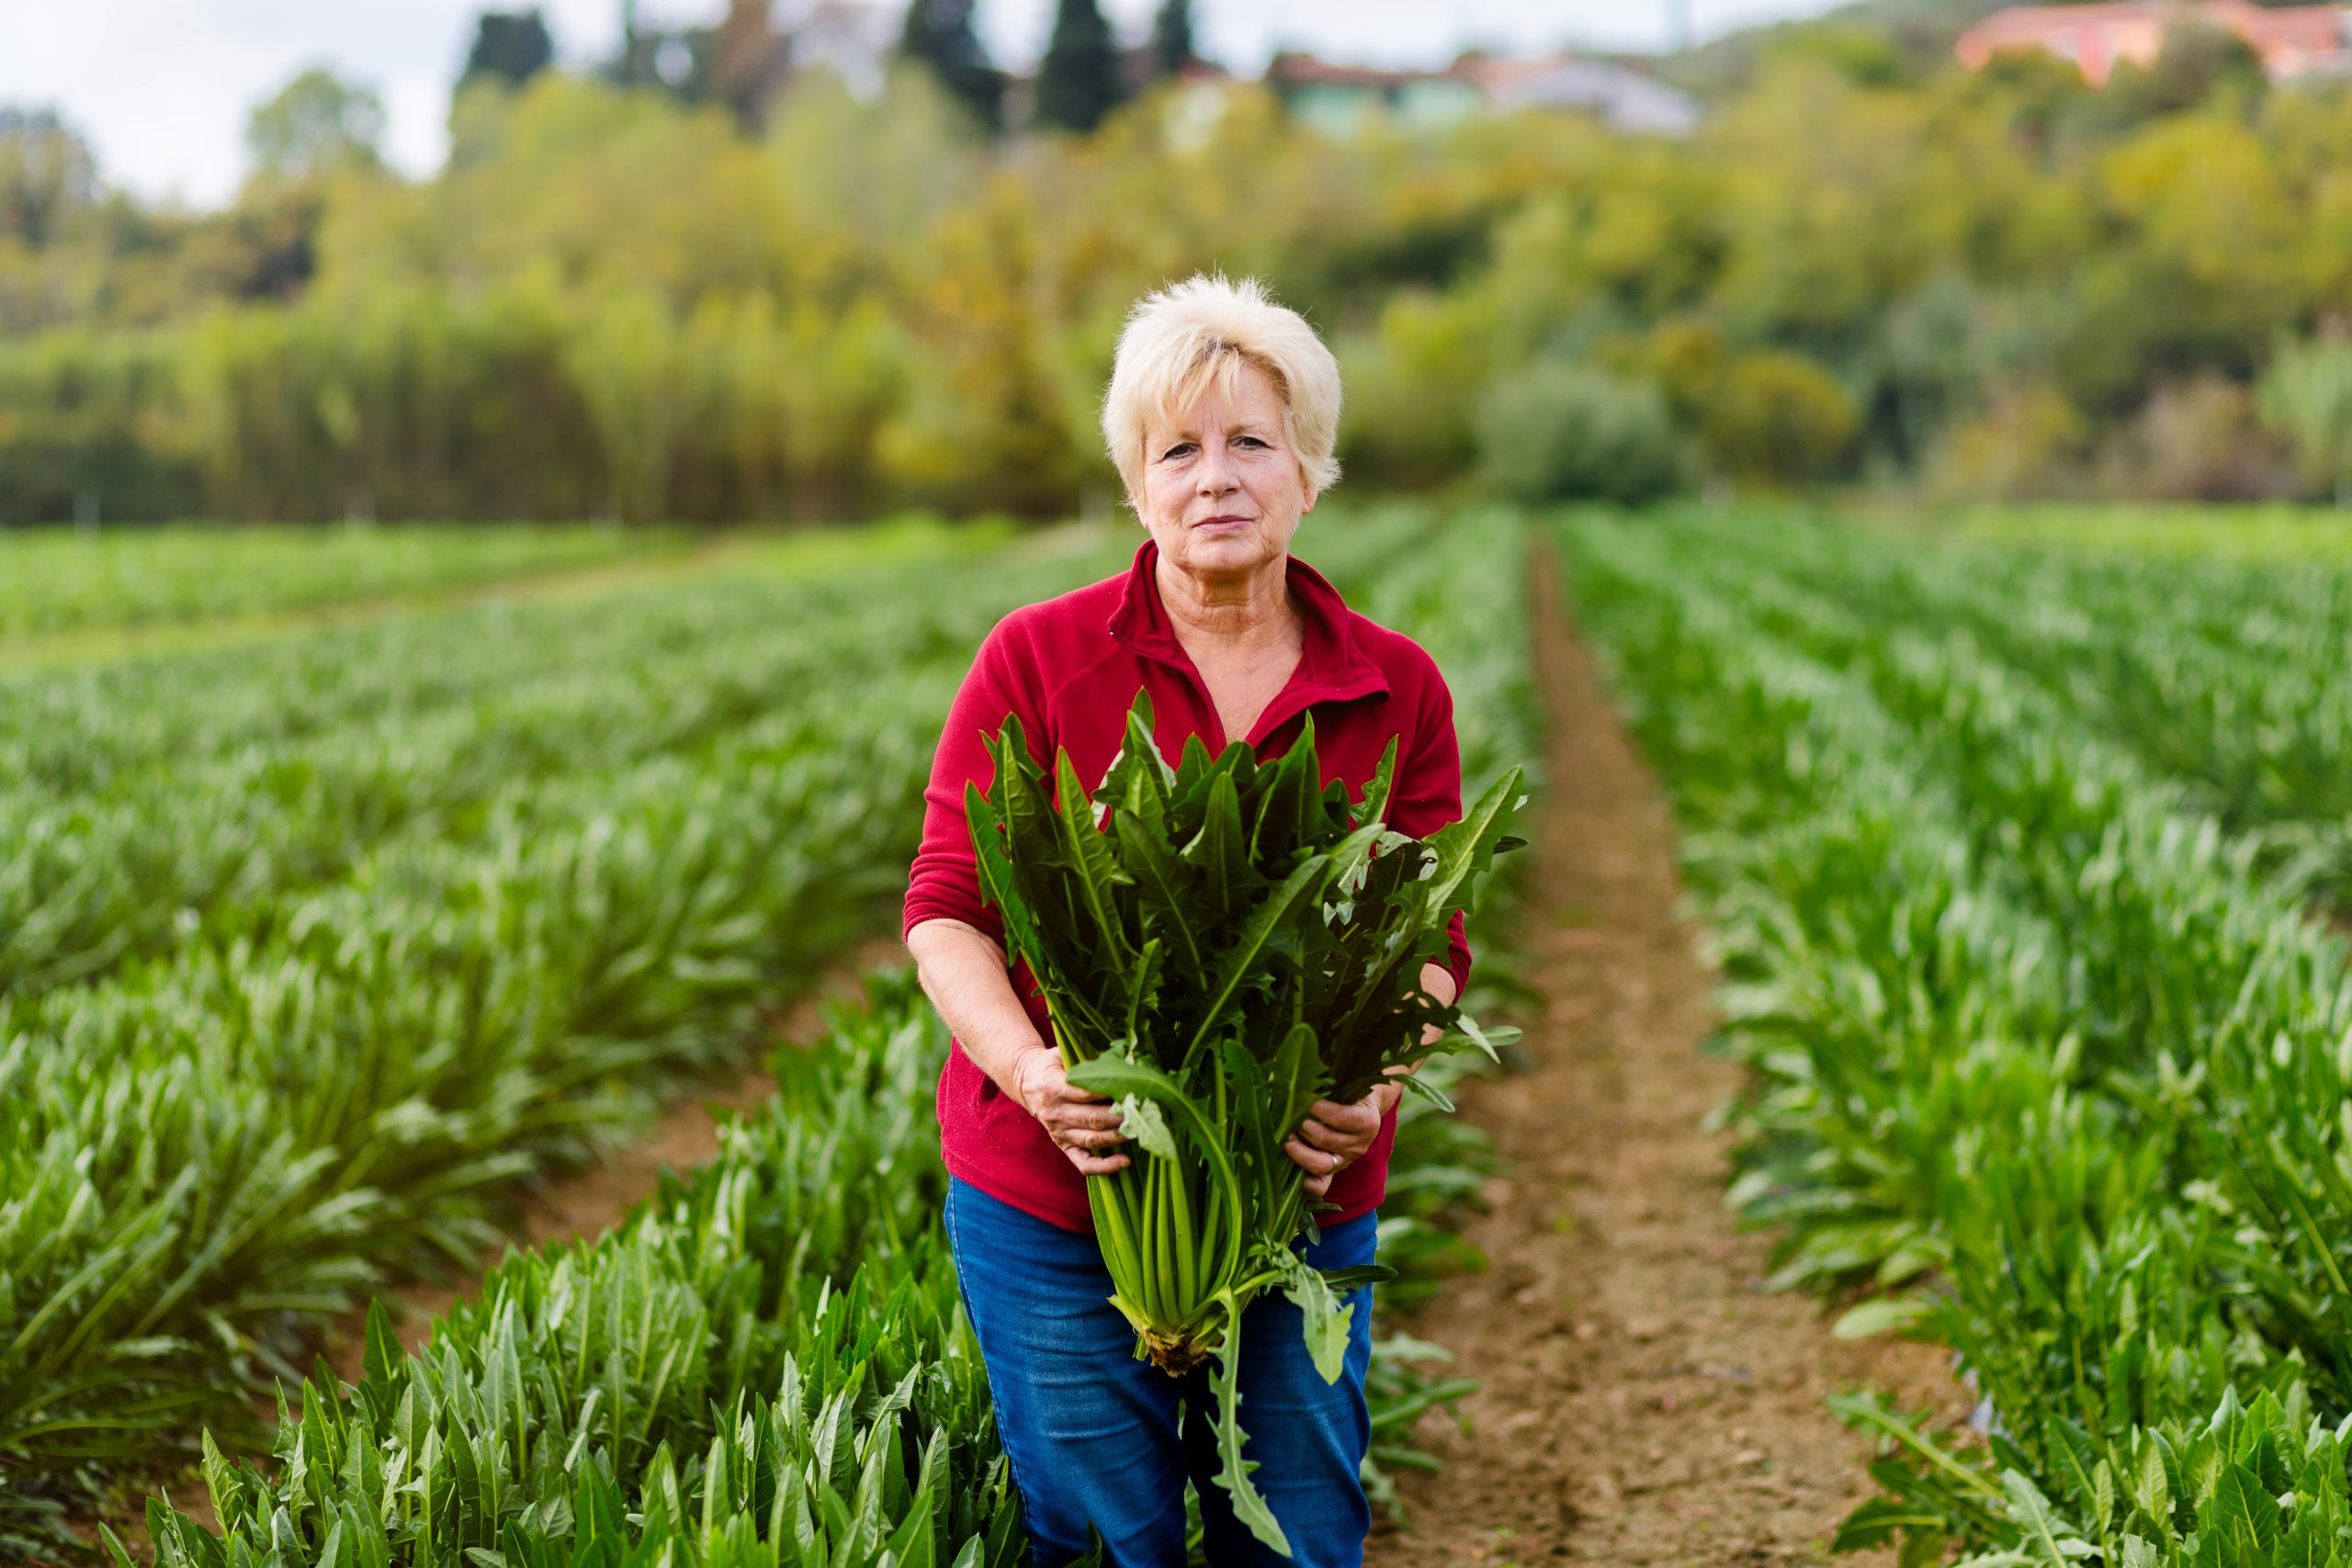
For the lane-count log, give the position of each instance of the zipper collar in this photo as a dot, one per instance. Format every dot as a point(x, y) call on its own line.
point(1331, 668)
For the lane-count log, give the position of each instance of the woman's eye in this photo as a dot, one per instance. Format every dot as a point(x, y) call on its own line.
point(1179, 450)
point(1248, 441)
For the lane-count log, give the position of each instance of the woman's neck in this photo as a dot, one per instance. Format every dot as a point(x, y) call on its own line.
point(1234, 612)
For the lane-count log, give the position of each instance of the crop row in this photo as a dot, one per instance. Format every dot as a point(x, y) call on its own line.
point(2195, 536)
point(2233, 685)
point(53, 581)
point(2030, 1038)
point(126, 832)
point(95, 726)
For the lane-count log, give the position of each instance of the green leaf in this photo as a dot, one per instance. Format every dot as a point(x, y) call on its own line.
point(1166, 893)
point(1141, 1122)
point(1267, 931)
point(1289, 794)
point(1481, 1038)
point(1880, 1315)
point(1096, 876)
point(1233, 1472)
point(1466, 848)
point(1415, 1084)
point(1342, 1280)
point(2243, 1513)
point(382, 1354)
point(2048, 1540)
point(1373, 807)
point(1220, 851)
point(1326, 1319)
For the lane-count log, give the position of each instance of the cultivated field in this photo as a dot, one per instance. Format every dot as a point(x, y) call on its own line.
point(328, 942)
point(317, 947)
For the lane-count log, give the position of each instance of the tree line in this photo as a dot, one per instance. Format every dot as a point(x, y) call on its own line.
point(633, 298)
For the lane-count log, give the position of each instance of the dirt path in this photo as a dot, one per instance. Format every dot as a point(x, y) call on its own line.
point(1644, 1401)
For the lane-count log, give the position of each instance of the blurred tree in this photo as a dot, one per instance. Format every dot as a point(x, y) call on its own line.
point(941, 34)
point(677, 60)
point(2041, 98)
point(511, 46)
point(632, 66)
point(2198, 270)
point(2193, 440)
point(2028, 442)
point(1413, 386)
point(1559, 431)
point(2198, 63)
point(47, 174)
point(2306, 396)
point(1779, 418)
point(602, 187)
point(317, 124)
point(1929, 364)
point(1171, 38)
point(1078, 82)
point(1764, 415)
point(748, 61)
point(1865, 56)
point(1838, 199)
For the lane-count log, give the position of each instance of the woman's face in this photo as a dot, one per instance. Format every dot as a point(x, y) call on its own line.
point(1222, 489)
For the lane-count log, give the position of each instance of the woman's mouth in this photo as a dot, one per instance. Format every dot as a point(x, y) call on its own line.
point(1222, 525)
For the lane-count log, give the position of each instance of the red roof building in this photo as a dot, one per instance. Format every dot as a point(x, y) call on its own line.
point(2292, 40)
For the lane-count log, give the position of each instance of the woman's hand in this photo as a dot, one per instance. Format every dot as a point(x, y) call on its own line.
point(1082, 1123)
point(1335, 1137)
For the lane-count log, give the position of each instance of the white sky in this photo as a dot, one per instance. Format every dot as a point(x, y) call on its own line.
point(162, 87)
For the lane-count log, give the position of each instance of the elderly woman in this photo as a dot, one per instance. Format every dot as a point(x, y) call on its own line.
point(1221, 417)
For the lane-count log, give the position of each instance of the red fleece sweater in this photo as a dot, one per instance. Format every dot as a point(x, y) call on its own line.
point(1070, 667)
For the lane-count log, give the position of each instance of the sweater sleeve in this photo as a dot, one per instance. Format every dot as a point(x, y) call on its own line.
point(1427, 796)
point(944, 881)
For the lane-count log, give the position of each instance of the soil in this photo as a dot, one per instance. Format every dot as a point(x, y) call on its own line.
point(1645, 1400)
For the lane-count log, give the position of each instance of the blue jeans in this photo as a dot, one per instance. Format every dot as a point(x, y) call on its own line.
point(1094, 1435)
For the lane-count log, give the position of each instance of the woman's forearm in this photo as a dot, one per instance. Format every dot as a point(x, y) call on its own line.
point(963, 971)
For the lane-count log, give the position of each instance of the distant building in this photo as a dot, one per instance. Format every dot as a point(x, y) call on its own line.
point(1626, 99)
point(1343, 98)
point(2292, 41)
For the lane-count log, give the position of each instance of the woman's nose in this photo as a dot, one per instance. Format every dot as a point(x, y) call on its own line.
point(1215, 474)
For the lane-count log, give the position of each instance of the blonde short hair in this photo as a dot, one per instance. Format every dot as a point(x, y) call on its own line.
point(1184, 338)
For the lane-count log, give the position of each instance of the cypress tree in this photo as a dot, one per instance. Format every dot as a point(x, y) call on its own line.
point(514, 46)
point(942, 35)
point(1079, 83)
point(1171, 38)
